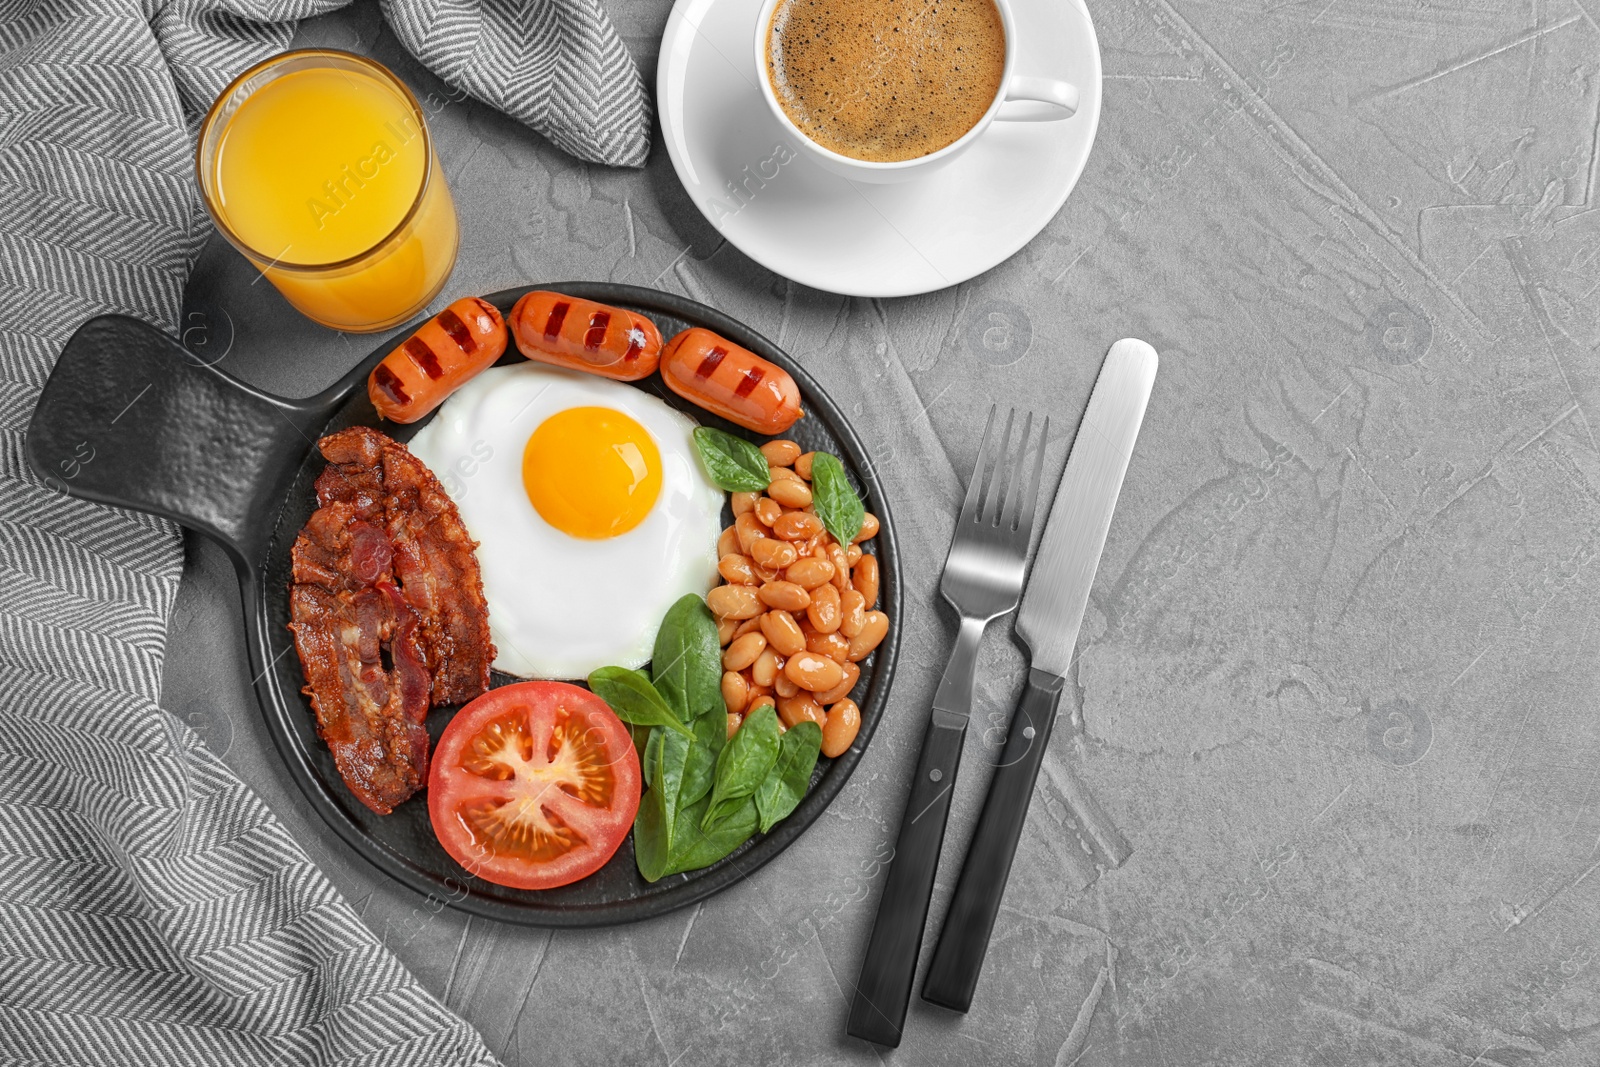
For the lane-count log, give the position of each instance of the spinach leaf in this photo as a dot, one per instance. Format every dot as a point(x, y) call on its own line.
point(785, 785)
point(655, 826)
point(743, 764)
point(651, 845)
point(693, 849)
point(700, 770)
point(686, 664)
point(836, 502)
point(634, 699)
point(732, 463)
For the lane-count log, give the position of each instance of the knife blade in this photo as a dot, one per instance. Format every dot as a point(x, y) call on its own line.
point(1053, 604)
point(1080, 516)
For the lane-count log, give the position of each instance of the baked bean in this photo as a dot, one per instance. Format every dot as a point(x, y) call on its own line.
point(852, 675)
point(743, 502)
point(781, 453)
point(784, 474)
point(869, 528)
point(767, 574)
point(758, 700)
point(800, 708)
point(840, 729)
point(852, 555)
point(725, 630)
point(825, 612)
point(853, 612)
point(841, 566)
point(736, 721)
point(735, 569)
point(783, 633)
point(746, 626)
point(834, 646)
point(734, 602)
point(786, 595)
point(873, 627)
point(764, 671)
point(768, 510)
point(802, 465)
point(797, 526)
point(728, 542)
point(743, 652)
point(749, 530)
point(811, 671)
point(809, 573)
point(784, 686)
point(773, 554)
point(791, 494)
point(864, 576)
point(735, 690)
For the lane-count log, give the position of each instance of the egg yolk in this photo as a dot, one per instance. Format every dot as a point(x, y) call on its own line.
point(592, 472)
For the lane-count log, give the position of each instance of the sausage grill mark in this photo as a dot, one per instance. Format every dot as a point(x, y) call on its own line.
point(452, 324)
point(748, 383)
point(635, 345)
point(552, 325)
point(386, 380)
point(708, 366)
point(595, 337)
point(419, 353)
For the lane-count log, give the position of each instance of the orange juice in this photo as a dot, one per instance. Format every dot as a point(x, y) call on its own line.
point(318, 166)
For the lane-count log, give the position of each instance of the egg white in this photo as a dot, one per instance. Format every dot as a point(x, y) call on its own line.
point(561, 606)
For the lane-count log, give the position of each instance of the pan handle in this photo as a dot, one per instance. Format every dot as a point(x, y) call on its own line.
point(130, 418)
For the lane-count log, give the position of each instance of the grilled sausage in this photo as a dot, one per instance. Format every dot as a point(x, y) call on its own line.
point(583, 335)
point(463, 339)
point(730, 381)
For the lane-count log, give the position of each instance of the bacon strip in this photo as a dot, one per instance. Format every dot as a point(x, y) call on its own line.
point(388, 613)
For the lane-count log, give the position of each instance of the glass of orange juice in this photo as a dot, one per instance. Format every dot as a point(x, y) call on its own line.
point(318, 166)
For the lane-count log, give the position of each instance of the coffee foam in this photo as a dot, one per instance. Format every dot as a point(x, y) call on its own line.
point(885, 80)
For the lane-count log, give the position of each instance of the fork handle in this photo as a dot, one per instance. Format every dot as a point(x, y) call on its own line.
point(964, 941)
point(878, 1013)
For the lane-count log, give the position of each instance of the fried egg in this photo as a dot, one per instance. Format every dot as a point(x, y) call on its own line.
point(590, 509)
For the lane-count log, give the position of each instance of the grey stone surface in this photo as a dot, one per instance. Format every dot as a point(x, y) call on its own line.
point(1335, 684)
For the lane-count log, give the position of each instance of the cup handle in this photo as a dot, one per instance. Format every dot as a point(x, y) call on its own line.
point(1030, 99)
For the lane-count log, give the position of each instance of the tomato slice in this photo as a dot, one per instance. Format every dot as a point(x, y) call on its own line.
point(534, 785)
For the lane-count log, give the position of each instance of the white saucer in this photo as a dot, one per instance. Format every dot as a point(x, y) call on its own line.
point(848, 237)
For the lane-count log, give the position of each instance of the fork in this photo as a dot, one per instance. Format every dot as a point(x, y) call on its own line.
point(982, 580)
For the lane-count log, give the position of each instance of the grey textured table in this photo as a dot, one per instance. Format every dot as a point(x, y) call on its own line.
point(1336, 684)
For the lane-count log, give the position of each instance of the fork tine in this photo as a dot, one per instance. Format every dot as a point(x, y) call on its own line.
point(969, 507)
point(1031, 503)
point(1015, 476)
point(990, 512)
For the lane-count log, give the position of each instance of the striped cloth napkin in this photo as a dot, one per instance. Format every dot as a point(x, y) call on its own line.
point(152, 911)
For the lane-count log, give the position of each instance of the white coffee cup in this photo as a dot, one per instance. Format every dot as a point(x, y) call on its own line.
point(1021, 98)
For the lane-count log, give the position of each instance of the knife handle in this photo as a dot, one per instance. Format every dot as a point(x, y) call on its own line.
point(883, 993)
point(964, 940)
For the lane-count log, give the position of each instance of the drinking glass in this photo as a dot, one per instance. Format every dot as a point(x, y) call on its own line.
point(275, 174)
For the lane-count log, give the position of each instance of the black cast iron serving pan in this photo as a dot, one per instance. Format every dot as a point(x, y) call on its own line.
point(130, 418)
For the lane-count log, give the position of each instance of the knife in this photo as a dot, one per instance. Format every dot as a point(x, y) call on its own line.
point(1052, 611)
